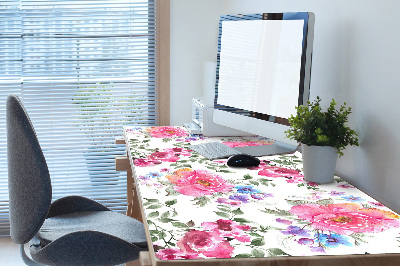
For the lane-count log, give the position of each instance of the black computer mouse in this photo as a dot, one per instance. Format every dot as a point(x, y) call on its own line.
point(242, 160)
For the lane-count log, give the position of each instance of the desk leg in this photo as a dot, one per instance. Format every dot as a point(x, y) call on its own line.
point(132, 197)
point(144, 260)
point(133, 210)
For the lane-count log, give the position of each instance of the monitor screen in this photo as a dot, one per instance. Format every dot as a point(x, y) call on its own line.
point(263, 71)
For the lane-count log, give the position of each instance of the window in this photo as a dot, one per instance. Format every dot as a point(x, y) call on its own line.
point(83, 69)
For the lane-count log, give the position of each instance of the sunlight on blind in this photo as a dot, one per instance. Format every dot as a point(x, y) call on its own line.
point(83, 69)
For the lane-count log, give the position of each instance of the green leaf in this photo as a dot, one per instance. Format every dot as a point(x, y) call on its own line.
point(166, 220)
point(298, 202)
point(151, 200)
point(277, 212)
point(154, 238)
point(258, 241)
point(255, 234)
point(224, 171)
point(223, 214)
point(202, 201)
point(165, 214)
point(243, 255)
point(153, 214)
point(155, 206)
point(241, 220)
point(179, 225)
point(273, 252)
point(247, 176)
point(254, 182)
point(238, 211)
point(258, 253)
point(171, 202)
point(325, 202)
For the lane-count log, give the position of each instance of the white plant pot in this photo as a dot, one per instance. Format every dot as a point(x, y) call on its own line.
point(319, 163)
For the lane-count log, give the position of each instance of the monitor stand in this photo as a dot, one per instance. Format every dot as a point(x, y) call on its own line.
point(264, 150)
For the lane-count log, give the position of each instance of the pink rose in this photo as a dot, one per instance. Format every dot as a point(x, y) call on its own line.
point(210, 244)
point(178, 151)
point(167, 132)
point(198, 183)
point(163, 156)
point(174, 254)
point(228, 228)
point(145, 162)
point(346, 218)
point(245, 143)
point(293, 176)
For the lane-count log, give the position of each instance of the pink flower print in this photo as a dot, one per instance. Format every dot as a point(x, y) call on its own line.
point(209, 244)
point(198, 183)
point(178, 151)
point(336, 193)
point(293, 176)
point(346, 218)
point(305, 241)
point(163, 156)
point(222, 200)
point(245, 143)
point(261, 196)
point(167, 132)
point(174, 254)
point(377, 204)
point(283, 221)
point(145, 162)
point(314, 196)
point(262, 165)
point(346, 186)
point(228, 228)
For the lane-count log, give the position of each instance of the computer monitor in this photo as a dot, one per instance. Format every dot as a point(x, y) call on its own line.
point(263, 72)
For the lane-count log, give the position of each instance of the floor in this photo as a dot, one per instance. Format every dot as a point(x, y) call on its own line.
point(9, 253)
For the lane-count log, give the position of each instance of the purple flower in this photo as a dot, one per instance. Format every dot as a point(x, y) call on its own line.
point(243, 198)
point(305, 241)
point(283, 221)
point(317, 249)
point(261, 196)
point(295, 230)
point(336, 193)
point(153, 174)
point(246, 189)
point(333, 240)
point(353, 198)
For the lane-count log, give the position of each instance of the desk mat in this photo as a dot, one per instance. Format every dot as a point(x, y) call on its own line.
point(200, 209)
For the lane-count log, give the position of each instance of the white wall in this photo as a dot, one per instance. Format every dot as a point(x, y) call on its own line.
point(356, 60)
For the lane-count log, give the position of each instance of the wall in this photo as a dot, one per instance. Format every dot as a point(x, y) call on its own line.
point(355, 60)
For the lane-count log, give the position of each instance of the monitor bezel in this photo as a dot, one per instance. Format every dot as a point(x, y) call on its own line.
point(305, 69)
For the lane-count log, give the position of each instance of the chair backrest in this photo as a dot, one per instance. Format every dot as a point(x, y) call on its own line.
point(29, 183)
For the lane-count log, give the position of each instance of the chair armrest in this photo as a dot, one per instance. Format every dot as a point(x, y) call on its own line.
point(72, 204)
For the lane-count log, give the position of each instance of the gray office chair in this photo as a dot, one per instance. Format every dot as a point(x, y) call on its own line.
point(70, 231)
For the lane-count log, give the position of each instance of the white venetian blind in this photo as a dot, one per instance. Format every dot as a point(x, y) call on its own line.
point(83, 69)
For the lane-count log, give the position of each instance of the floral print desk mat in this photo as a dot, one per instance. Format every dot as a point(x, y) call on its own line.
point(200, 209)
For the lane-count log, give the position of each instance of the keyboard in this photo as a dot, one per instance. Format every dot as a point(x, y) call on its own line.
point(214, 150)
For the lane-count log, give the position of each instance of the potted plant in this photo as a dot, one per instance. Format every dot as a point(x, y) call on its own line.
point(323, 136)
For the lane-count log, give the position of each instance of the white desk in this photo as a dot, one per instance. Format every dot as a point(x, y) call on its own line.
point(205, 213)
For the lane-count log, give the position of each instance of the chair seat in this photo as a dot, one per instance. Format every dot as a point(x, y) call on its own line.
point(108, 222)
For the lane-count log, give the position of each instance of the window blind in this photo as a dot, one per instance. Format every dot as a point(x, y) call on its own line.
point(83, 69)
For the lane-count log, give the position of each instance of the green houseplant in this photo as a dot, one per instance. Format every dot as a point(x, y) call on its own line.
point(323, 135)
